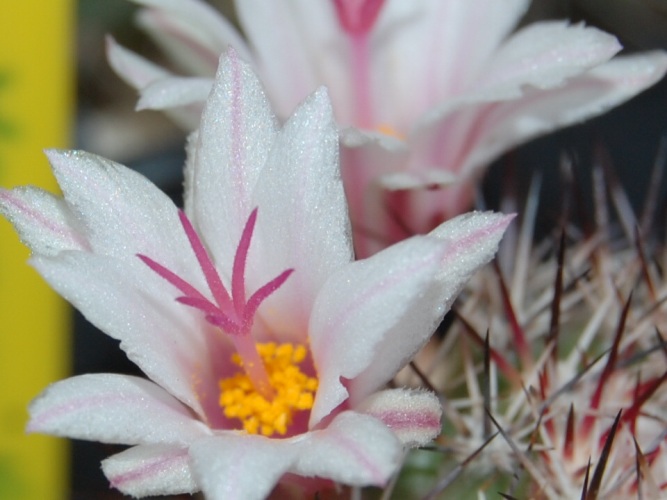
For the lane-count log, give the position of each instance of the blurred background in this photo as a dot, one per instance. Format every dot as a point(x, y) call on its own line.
point(77, 101)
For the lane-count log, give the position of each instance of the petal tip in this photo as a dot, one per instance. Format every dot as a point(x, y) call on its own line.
point(414, 416)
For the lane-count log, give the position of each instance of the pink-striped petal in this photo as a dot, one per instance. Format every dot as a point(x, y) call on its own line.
point(241, 466)
point(140, 73)
point(302, 222)
point(147, 470)
point(135, 70)
point(189, 174)
point(174, 92)
point(373, 316)
point(191, 32)
point(294, 60)
point(121, 212)
point(466, 135)
point(399, 181)
point(374, 224)
point(428, 51)
point(43, 221)
point(353, 449)
point(113, 408)
point(367, 303)
point(233, 143)
point(170, 342)
point(544, 55)
point(465, 244)
point(414, 416)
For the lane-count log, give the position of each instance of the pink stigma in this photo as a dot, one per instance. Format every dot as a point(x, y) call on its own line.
point(232, 313)
point(357, 17)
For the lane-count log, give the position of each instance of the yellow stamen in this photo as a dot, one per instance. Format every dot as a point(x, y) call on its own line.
point(293, 391)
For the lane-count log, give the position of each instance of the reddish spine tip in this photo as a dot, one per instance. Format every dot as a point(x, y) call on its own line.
point(568, 441)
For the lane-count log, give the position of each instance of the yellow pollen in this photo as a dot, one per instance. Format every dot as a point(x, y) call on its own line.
point(387, 129)
point(294, 391)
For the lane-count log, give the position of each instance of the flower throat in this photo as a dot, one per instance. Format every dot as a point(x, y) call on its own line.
point(270, 386)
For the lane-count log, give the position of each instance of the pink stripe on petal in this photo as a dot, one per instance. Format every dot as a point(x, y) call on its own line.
point(400, 420)
point(112, 409)
point(376, 291)
point(238, 127)
point(165, 25)
point(40, 422)
point(414, 416)
point(471, 242)
point(353, 449)
point(178, 458)
point(38, 219)
point(362, 459)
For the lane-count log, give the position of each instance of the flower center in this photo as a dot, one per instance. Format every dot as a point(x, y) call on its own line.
point(293, 391)
point(231, 311)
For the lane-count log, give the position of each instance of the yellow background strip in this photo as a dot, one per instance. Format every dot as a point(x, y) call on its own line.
point(35, 111)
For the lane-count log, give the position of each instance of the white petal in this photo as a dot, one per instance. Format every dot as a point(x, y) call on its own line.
point(293, 43)
point(353, 449)
point(374, 315)
point(121, 211)
point(174, 92)
point(186, 117)
point(192, 32)
point(355, 138)
point(134, 69)
point(421, 179)
point(469, 137)
point(127, 301)
point(189, 174)
point(544, 55)
point(241, 466)
point(472, 241)
point(466, 243)
point(123, 214)
point(625, 77)
point(42, 220)
point(234, 141)
point(433, 50)
point(302, 222)
point(361, 305)
point(113, 409)
point(414, 416)
point(373, 224)
point(151, 470)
